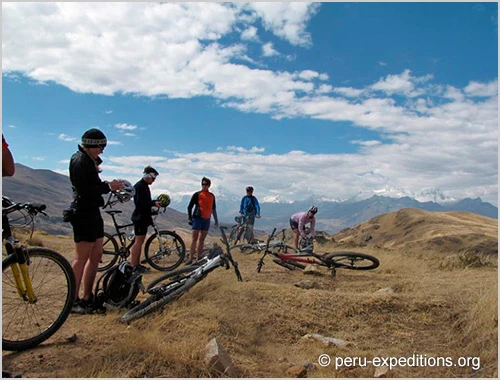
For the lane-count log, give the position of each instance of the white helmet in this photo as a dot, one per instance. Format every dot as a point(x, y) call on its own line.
point(125, 194)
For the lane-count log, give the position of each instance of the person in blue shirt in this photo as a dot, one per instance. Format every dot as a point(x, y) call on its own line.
point(250, 209)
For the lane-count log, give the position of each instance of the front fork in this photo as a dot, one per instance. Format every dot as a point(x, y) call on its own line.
point(21, 275)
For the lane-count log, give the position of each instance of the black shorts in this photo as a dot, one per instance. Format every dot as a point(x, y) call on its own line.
point(294, 225)
point(141, 227)
point(87, 226)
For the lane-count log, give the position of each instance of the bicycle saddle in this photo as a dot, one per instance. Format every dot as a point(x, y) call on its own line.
point(113, 212)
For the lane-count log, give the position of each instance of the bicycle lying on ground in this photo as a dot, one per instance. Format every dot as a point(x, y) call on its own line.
point(38, 287)
point(171, 286)
point(164, 250)
point(259, 246)
point(333, 261)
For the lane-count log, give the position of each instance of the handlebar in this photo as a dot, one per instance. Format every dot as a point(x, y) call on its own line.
point(261, 261)
point(228, 254)
point(31, 207)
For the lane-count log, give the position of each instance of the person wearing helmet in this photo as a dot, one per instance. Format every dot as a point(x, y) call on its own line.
point(298, 223)
point(250, 209)
point(87, 223)
point(204, 207)
point(141, 217)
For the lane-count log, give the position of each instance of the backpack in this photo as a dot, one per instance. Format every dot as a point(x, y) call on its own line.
point(251, 206)
point(118, 286)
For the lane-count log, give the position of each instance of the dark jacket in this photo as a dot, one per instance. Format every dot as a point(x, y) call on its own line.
point(85, 182)
point(143, 203)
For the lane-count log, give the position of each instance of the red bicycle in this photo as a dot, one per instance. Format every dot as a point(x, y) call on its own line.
point(300, 258)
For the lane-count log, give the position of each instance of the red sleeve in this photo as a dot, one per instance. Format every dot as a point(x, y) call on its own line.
point(4, 143)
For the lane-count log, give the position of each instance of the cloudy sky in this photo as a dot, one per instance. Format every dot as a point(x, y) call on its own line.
point(297, 99)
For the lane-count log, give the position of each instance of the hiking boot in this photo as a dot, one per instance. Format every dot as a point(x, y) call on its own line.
point(142, 269)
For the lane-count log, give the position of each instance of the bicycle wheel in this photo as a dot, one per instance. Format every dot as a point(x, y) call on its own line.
point(172, 254)
point(172, 276)
point(157, 301)
point(351, 260)
point(246, 248)
point(109, 253)
point(24, 324)
point(232, 235)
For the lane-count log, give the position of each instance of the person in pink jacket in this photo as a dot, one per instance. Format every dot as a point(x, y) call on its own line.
point(298, 223)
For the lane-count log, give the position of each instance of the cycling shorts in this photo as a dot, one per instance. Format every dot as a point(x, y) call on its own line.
point(201, 224)
point(141, 227)
point(293, 224)
point(87, 226)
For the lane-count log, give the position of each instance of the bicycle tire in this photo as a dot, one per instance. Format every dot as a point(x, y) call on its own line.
point(232, 235)
point(351, 260)
point(156, 302)
point(171, 257)
point(172, 276)
point(110, 253)
point(246, 249)
point(26, 325)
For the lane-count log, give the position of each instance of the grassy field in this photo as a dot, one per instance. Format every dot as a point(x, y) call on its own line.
point(438, 305)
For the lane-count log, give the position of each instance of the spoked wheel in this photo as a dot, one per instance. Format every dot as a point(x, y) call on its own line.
point(351, 260)
point(246, 249)
point(165, 251)
point(26, 324)
point(158, 301)
point(109, 254)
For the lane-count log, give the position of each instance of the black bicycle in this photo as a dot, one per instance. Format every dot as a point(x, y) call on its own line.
point(238, 230)
point(38, 287)
point(302, 257)
point(164, 250)
point(171, 286)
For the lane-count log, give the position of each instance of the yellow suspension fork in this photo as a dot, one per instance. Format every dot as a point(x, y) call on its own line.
point(21, 276)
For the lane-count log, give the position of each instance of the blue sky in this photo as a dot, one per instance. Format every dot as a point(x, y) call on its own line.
point(297, 99)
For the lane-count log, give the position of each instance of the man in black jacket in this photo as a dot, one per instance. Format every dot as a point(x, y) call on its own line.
point(142, 215)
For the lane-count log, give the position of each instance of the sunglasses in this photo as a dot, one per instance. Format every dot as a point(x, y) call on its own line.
point(205, 184)
point(101, 147)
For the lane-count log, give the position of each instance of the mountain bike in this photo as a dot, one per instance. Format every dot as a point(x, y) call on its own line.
point(333, 261)
point(259, 246)
point(238, 230)
point(38, 287)
point(164, 250)
point(171, 286)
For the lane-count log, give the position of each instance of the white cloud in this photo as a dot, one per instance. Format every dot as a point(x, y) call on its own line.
point(482, 89)
point(250, 34)
point(268, 50)
point(126, 127)
point(65, 137)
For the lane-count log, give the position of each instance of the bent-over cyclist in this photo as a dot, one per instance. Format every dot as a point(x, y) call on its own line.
point(298, 224)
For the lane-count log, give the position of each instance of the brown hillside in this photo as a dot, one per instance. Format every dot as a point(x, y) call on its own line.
point(408, 306)
point(423, 231)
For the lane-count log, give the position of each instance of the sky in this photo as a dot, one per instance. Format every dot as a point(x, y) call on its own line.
point(297, 99)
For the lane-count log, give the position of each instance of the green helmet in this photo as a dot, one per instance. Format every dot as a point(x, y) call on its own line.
point(164, 200)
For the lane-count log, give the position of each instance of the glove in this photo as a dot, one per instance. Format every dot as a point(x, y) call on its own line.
point(190, 222)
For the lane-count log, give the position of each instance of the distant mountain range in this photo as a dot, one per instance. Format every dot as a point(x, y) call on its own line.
point(54, 190)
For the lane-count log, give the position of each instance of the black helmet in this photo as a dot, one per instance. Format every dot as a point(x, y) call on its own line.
point(94, 138)
point(249, 188)
point(313, 209)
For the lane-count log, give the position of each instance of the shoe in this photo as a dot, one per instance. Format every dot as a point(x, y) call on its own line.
point(188, 262)
point(142, 269)
point(82, 307)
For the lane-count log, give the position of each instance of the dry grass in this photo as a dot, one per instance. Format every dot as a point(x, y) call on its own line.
point(435, 309)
